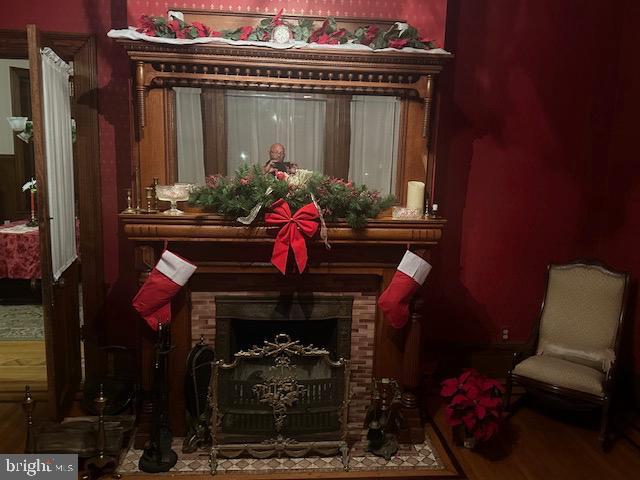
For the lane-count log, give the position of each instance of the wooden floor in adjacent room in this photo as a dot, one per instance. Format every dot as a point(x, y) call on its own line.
point(22, 363)
point(532, 446)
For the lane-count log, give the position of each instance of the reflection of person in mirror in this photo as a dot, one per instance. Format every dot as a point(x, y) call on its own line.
point(276, 161)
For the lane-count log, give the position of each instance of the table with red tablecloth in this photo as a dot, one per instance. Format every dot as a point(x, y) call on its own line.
point(19, 251)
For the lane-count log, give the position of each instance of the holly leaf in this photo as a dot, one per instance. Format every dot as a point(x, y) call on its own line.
point(303, 30)
point(191, 32)
point(391, 33)
point(332, 26)
point(305, 23)
point(409, 33)
point(232, 34)
point(379, 42)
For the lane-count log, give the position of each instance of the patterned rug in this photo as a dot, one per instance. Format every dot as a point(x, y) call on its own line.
point(422, 458)
point(21, 322)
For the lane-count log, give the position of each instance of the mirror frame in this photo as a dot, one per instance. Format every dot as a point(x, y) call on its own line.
point(160, 67)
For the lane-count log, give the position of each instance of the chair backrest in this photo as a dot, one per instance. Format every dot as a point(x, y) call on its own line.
point(582, 314)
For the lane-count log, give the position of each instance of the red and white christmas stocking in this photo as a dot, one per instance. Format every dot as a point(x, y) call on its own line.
point(153, 300)
point(394, 301)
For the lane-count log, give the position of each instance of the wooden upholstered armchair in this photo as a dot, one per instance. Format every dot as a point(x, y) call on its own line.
point(571, 355)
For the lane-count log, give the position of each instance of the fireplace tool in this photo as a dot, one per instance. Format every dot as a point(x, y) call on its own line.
point(384, 418)
point(158, 456)
point(196, 390)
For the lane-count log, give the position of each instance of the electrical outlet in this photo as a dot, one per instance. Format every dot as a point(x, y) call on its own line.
point(505, 334)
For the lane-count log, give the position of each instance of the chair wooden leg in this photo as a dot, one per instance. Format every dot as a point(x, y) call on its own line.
point(507, 398)
point(604, 425)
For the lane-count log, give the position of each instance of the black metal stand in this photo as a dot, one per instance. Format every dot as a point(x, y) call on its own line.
point(158, 456)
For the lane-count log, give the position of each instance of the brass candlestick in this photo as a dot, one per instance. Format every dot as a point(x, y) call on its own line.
point(150, 195)
point(155, 193)
point(129, 209)
point(33, 220)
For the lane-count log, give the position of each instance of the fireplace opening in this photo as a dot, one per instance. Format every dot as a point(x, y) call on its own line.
point(246, 334)
point(245, 322)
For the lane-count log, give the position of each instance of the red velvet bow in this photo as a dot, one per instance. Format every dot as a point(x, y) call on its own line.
point(290, 235)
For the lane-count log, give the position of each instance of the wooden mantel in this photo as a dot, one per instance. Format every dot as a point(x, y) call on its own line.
point(215, 228)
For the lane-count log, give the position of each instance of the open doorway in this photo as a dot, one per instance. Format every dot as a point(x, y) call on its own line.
point(22, 347)
point(44, 350)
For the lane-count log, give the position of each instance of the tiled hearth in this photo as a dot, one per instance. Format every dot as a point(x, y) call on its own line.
point(363, 316)
point(422, 458)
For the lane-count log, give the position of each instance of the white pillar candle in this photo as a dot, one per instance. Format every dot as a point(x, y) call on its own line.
point(415, 196)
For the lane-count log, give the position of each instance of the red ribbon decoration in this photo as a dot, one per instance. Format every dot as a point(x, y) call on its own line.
point(290, 235)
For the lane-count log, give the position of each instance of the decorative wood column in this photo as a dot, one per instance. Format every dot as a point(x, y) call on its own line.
point(411, 372)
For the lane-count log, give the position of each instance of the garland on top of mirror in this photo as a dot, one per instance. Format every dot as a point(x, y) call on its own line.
point(399, 35)
point(239, 194)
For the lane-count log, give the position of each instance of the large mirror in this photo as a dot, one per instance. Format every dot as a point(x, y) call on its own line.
point(355, 137)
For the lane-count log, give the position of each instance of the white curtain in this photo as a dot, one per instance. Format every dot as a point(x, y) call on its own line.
point(256, 120)
point(59, 160)
point(375, 124)
point(189, 136)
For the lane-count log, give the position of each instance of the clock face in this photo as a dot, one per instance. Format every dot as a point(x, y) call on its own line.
point(281, 34)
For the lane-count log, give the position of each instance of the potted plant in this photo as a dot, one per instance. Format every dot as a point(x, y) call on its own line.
point(474, 406)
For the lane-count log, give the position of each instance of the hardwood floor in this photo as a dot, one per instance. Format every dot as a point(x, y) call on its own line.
point(532, 446)
point(22, 363)
point(535, 445)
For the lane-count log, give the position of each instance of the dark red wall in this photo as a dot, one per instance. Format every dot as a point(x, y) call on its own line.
point(619, 203)
point(537, 160)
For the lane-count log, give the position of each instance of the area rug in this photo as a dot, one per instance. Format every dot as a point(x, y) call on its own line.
point(422, 460)
point(21, 322)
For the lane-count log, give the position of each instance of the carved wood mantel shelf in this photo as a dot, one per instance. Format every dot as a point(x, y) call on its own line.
point(307, 70)
point(215, 228)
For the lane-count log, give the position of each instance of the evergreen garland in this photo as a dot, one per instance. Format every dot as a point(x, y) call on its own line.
point(238, 194)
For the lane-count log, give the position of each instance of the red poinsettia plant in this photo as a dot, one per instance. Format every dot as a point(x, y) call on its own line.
point(475, 402)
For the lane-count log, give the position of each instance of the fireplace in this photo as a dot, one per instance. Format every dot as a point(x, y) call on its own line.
point(376, 350)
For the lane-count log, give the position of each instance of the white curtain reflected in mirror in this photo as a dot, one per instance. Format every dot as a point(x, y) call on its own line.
point(257, 120)
point(375, 125)
point(190, 143)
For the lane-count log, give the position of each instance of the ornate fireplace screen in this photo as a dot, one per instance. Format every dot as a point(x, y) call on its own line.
point(280, 399)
